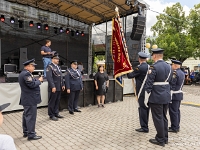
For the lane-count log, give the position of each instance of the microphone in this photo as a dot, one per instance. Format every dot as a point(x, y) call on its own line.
point(40, 75)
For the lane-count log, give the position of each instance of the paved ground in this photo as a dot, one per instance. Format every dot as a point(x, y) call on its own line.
point(110, 128)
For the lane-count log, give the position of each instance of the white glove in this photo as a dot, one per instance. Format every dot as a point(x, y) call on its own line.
point(146, 99)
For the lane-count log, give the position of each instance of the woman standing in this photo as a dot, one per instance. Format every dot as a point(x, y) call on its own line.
point(101, 81)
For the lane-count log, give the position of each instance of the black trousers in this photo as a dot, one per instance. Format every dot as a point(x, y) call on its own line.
point(29, 119)
point(159, 112)
point(73, 100)
point(53, 106)
point(174, 113)
point(143, 114)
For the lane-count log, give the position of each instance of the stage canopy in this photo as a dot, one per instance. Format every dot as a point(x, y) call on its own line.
point(86, 11)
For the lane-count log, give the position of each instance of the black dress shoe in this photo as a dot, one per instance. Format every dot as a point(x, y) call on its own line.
point(59, 116)
point(71, 112)
point(142, 130)
point(77, 110)
point(34, 138)
point(171, 130)
point(25, 135)
point(154, 141)
point(54, 118)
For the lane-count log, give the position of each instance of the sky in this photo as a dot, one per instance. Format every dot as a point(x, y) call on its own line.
point(156, 5)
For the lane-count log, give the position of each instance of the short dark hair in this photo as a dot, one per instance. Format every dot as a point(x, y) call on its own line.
point(100, 67)
point(47, 41)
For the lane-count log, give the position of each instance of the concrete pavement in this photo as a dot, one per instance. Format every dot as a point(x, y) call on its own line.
point(109, 128)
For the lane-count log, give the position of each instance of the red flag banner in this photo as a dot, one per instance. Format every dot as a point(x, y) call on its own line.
point(119, 52)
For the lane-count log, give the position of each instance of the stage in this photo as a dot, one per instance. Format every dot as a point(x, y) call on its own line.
point(10, 93)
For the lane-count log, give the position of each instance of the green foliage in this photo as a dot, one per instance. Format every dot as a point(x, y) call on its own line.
point(172, 31)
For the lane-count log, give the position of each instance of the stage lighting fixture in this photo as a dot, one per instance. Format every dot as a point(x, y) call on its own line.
point(61, 29)
point(2, 18)
point(77, 32)
point(12, 20)
point(39, 25)
point(82, 33)
point(67, 30)
point(21, 23)
point(72, 32)
point(31, 24)
point(46, 27)
point(128, 2)
point(55, 30)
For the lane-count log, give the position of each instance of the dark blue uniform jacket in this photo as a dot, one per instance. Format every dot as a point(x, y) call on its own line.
point(177, 84)
point(54, 77)
point(30, 89)
point(73, 80)
point(158, 72)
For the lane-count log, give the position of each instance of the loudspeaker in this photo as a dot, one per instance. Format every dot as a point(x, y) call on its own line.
point(88, 92)
point(118, 92)
point(22, 57)
point(138, 27)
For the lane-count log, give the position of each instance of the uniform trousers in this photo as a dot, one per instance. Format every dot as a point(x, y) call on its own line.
point(73, 100)
point(174, 113)
point(53, 105)
point(29, 119)
point(143, 114)
point(159, 112)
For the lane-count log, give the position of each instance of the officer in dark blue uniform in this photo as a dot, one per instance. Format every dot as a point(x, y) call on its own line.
point(139, 73)
point(158, 88)
point(73, 83)
point(55, 86)
point(177, 95)
point(30, 97)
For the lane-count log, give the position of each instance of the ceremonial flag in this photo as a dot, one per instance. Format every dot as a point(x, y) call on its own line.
point(119, 52)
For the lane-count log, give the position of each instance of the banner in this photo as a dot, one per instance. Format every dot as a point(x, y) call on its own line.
point(119, 52)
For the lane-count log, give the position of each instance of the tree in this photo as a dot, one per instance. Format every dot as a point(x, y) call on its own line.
point(194, 27)
point(172, 34)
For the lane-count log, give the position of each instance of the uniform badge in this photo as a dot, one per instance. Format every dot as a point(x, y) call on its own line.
point(29, 78)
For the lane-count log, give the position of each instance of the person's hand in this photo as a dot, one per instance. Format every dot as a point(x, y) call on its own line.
point(68, 90)
point(63, 88)
point(41, 79)
point(48, 53)
point(53, 90)
point(96, 87)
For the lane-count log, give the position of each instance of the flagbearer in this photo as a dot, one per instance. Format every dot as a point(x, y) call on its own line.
point(139, 73)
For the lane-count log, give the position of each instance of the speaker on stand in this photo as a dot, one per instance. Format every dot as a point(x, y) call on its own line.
point(138, 27)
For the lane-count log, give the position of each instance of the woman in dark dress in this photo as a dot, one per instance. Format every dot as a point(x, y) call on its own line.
point(101, 81)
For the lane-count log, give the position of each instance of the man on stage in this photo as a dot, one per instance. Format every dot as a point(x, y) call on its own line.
point(30, 97)
point(46, 55)
point(55, 86)
point(158, 88)
point(140, 73)
point(74, 84)
point(177, 95)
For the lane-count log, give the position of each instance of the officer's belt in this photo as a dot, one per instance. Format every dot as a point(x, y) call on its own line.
point(160, 83)
point(175, 92)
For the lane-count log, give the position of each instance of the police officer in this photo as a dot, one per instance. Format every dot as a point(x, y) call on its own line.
point(55, 86)
point(177, 95)
point(73, 83)
point(158, 88)
point(30, 97)
point(139, 73)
